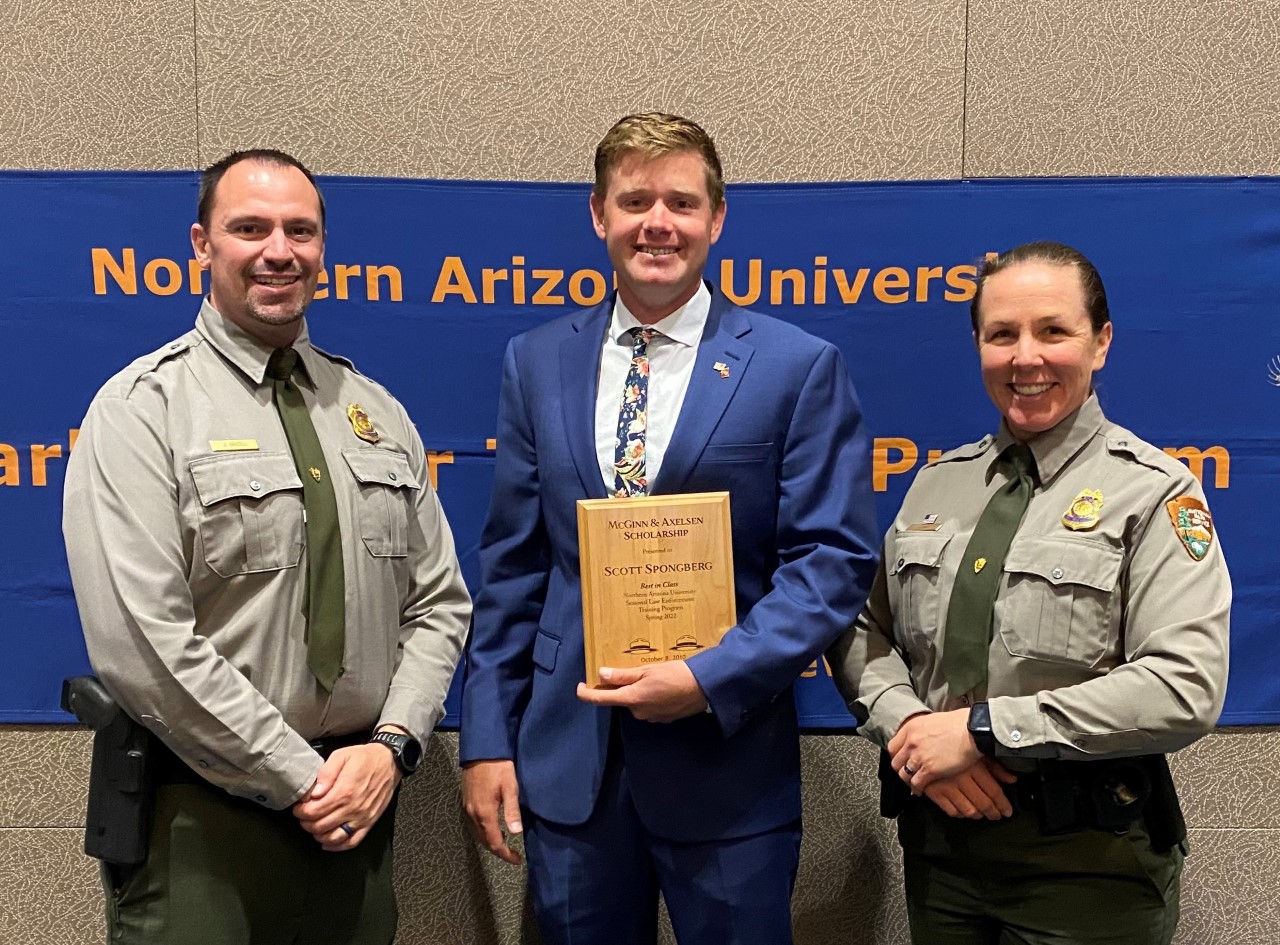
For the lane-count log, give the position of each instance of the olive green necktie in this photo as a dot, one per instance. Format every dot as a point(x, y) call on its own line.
point(325, 604)
point(973, 597)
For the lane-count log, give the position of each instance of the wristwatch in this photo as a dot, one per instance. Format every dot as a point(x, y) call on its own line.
point(404, 749)
point(980, 729)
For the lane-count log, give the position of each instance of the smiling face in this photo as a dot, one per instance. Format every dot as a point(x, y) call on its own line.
point(658, 224)
point(264, 248)
point(1037, 346)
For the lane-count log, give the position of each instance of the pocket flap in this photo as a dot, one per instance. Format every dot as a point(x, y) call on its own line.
point(1066, 561)
point(737, 453)
point(381, 467)
point(923, 548)
point(545, 648)
point(242, 475)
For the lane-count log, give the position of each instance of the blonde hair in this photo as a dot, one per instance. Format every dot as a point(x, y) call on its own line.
point(654, 135)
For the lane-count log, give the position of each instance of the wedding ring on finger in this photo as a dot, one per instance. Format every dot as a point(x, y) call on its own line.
point(347, 829)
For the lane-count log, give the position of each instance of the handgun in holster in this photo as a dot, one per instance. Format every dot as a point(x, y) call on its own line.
point(894, 793)
point(121, 790)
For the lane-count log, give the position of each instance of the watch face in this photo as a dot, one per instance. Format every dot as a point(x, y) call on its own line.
point(411, 754)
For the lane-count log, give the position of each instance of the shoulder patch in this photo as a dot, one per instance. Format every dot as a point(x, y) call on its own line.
point(968, 451)
point(1193, 525)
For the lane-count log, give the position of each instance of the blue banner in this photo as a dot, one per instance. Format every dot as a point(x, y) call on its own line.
point(426, 280)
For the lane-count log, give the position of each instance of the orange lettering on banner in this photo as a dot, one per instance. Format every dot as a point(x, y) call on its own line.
point(812, 670)
point(517, 280)
point(373, 288)
point(195, 277)
point(39, 453)
point(849, 294)
point(779, 276)
point(488, 277)
point(882, 467)
point(1195, 462)
point(598, 287)
point(104, 264)
point(895, 278)
point(453, 281)
point(151, 272)
point(752, 295)
point(550, 279)
point(819, 280)
point(923, 275)
point(434, 459)
point(964, 280)
point(322, 280)
point(9, 474)
point(341, 274)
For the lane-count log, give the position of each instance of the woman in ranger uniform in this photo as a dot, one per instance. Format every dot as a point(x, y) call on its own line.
point(1049, 619)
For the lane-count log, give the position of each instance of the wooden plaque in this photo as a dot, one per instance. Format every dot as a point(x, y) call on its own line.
point(657, 578)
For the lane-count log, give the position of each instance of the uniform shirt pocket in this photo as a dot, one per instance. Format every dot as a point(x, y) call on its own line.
point(387, 489)
point(913, 570)
point(1057, 604)
point(250, 512)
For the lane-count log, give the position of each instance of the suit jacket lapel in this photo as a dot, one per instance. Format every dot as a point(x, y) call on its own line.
point(579, 371)
point(709, 392)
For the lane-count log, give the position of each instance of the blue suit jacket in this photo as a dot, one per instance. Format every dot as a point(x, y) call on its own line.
point(784, 434)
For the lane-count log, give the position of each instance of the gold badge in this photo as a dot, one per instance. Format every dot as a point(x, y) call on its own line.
point(1082, 515)
point(315, 473)
point(361, 424)
point(721, 368)
point(1193, 525)
point(979, 565)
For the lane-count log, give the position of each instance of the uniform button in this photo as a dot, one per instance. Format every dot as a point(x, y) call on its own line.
point(1079, 743)
point(342, 671)
point(393, 477)
point(964, 700)
point(203, 763)
point(261, 798)
point(1057, 574)
point(901, 562)
point(175, 346)
point(255, 485)
point(1122, 442)
point(1015, 735)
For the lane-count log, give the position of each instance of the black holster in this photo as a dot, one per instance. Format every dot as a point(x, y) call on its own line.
point(121, 785)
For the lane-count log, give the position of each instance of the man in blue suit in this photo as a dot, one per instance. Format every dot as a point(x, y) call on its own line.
point(685, 778)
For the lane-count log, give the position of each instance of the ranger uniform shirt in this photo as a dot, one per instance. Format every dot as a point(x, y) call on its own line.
point(183, 520)
point(1111, 618)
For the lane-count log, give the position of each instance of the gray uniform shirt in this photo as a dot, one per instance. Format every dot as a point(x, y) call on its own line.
point(183, 520)
point(1108, 640)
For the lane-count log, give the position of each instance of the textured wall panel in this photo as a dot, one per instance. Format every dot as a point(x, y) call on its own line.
point(45, 775)
point(1231, 889)
point(1228, 780)
point(108, 84)
point(809, 90)
point(1104, 87)
point(49, 890)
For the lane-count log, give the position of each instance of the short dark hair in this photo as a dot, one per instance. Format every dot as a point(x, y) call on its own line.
point(1054, 254)
point(213, 174)
point(654, 135)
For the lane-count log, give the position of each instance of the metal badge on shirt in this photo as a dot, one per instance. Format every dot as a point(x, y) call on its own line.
point(361, 424)
point(1082, 514)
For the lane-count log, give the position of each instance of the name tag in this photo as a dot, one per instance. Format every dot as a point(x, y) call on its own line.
point(232, 446)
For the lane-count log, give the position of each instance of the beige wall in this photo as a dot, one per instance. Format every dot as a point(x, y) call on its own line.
point(809, 90)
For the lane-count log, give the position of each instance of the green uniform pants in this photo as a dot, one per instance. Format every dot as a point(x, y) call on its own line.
point(1004, 883)
point(224, 871)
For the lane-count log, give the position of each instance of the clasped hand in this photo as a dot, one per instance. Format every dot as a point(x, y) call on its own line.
point(353, 788)
point(934, 754)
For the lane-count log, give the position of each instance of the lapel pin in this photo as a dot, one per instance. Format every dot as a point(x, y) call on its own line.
point(721, 368)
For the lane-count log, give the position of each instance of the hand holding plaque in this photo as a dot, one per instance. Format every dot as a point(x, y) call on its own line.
point(657, 578)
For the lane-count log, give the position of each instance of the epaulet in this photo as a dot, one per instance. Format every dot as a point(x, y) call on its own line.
point(1120, 442)
point(335, 358)
point(968, 451)
point(124, 382)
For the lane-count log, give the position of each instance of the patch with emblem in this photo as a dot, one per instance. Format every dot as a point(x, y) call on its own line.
point(1082, 515)
point(361, 424)
point(1193, 525)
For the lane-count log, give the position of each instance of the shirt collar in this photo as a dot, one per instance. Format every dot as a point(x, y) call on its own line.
point(245, 351)
point(1054, 448)
point(683, 326)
